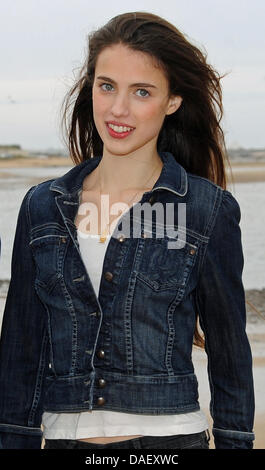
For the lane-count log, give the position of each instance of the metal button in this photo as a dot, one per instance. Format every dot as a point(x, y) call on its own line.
point(101, 401)
point(192, 251)
point(121, 238)
point(102, 383)
point(108, 276)
point(101, 354)
point(63, 240)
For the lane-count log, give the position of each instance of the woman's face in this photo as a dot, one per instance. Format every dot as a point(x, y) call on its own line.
point(130, 100)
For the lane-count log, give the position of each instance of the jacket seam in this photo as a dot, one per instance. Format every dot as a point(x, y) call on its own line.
point(232, 430)
point(16, 428)
point(173, 410)
point(215, 210)
point(41, 367)
point(30, 194)
point(37, 391)
point(212, 219)
point(212, 402)
point(224, 431)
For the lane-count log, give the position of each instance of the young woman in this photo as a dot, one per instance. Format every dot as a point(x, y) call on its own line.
point(103, 303)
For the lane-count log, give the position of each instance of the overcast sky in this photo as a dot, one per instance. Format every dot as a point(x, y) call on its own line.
point(43, 42)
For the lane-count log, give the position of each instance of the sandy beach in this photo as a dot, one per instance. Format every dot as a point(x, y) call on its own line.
point(242, 172)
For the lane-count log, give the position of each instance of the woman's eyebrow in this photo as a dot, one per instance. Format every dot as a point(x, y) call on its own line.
point(107, 79)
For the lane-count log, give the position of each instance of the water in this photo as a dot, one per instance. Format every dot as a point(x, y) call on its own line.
point(251, 198)
point(14, 183)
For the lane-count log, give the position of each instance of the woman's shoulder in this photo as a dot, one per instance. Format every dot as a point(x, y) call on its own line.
point(48, 189)
point(210, 205)
point(200, 183)
point(204, 190)
point(41, 190)
point(38, 203)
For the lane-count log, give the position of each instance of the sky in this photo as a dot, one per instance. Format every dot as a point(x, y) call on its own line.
point(44, 42)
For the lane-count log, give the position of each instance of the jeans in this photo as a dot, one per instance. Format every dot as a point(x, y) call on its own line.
point(181, 441)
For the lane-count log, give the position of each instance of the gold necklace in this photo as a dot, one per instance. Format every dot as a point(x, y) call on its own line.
point(103, 235)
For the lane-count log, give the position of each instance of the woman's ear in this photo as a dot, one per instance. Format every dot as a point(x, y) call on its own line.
point(174, 104)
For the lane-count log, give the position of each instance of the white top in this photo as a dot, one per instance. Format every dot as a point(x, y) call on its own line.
point(104, 423)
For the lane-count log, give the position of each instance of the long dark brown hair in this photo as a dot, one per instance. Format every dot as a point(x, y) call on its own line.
point(193, 133)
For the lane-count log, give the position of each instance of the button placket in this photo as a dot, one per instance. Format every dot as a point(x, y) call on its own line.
point(101, 353)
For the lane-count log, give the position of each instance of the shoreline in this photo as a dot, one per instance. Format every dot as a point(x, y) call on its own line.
point(242, 172)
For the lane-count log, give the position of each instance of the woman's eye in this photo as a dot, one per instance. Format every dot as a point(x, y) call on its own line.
point(140, 92)
point(143, 92)
point(106, 86)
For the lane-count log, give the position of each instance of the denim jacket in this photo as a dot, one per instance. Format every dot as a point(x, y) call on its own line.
point(63, 349)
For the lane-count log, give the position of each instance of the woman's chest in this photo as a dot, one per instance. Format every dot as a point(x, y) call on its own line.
point(99, 213)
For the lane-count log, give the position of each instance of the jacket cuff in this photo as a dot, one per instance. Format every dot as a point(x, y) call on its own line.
point(20, 437)
point(229, 439)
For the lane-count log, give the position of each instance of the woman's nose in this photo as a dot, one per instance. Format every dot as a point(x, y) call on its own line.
point(120, 105)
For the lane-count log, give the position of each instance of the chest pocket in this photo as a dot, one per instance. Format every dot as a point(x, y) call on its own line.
point(49, 252)
point(166, 263)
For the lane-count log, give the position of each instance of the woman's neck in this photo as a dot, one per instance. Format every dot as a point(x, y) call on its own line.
point(119, 173)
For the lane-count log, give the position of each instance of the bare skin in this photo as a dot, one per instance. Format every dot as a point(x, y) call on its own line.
point(107, 440)
point(91, 194)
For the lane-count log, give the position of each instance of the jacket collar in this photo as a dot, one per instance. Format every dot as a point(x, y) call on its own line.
point(173, 176)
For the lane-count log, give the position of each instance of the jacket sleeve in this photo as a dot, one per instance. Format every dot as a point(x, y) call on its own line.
point(220, 301)
point(23, 347)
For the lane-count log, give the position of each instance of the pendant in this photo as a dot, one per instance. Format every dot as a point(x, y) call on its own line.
point(103, 237)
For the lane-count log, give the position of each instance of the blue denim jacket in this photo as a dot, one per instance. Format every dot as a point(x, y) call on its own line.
point(63, 349)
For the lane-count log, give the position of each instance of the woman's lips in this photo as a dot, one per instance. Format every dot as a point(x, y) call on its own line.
point(118, 135)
